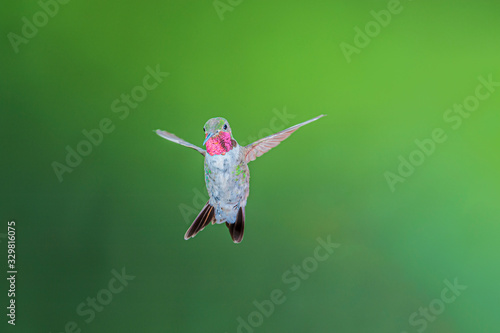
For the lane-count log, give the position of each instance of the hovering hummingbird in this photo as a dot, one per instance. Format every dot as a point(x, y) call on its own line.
point(226, 173)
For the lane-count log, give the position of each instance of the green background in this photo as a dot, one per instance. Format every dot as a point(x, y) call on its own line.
point(121, 206)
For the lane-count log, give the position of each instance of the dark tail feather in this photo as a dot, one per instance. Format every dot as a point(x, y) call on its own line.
point(236, 229)
point(201, 221)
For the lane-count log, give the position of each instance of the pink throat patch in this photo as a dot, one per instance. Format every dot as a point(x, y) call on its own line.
point(220, 144)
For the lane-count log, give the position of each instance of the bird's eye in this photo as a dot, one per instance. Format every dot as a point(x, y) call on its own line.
point(204, 130)
point(225, 126)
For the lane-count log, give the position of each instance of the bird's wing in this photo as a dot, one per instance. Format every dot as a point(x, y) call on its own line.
point(262, 146)
point(173, 138)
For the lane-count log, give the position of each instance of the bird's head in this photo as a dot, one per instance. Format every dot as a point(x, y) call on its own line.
point(218, 137)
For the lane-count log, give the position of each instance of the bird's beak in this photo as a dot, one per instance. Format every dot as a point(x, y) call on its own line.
point(209, 135)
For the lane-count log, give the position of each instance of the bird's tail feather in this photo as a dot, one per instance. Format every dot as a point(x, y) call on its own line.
point(237, 228)
point(201, 221)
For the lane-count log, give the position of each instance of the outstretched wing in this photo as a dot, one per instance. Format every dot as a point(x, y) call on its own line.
point(173, 138)
point(262, 146)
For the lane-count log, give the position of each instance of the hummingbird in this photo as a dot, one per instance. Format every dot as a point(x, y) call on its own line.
point(227, 176)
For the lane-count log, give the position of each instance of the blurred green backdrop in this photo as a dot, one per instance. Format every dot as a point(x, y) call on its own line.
point(128, 203)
